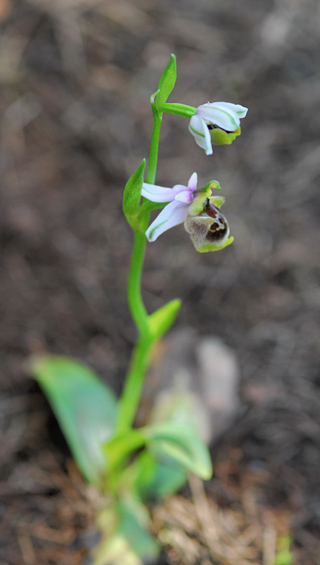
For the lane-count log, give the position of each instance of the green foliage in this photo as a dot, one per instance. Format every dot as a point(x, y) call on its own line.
point(157, 476)
point(132, 197)
point(133, 525)
point(171, 448)
point(84, 407)
point(126, 540)
point(181, 442)
point(161, 320)
point(120, 446)
point(167, 82)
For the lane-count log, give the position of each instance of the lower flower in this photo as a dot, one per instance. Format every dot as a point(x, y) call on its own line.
point(196, 208)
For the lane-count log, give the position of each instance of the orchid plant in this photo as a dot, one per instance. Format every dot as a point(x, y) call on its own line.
point(129, 465)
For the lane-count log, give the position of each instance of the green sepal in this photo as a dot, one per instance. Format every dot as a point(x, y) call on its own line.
point(214, 247)
point(212, 185)
point(132, 197)
point(201, 195)
point(217, 200)
point(85, 408)
point(167, 82)
point(198, 203)
point(221, 137)
point(161, 320)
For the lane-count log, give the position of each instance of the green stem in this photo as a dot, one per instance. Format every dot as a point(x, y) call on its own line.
point(131, 394)
point(154, 148)
point(130, 398)
point(136, 305)
point(179, 109)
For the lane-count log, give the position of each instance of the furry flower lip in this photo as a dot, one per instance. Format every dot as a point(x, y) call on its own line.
point(216, 123)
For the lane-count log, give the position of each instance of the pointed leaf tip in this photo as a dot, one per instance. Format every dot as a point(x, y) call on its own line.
point(167, 82)
point(161, 320)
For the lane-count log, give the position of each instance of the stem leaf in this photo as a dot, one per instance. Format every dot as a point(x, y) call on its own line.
point(161, 320)
point(167, 82)
point(84, 407)
point(132, 197)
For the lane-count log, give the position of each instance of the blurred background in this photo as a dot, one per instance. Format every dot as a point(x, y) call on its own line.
point(76, 77)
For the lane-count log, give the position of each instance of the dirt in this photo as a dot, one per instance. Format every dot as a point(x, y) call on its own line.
point(76, 77)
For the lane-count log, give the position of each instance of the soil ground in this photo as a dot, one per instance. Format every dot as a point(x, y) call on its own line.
point(76, 76)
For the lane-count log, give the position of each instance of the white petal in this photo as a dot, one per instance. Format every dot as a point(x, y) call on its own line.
point(241, 111)
point(172, 215)
point(192, 182)
point(201, 134)
point(160, 193)
point(220, 114)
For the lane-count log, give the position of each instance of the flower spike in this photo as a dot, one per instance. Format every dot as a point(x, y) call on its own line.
point(216, 123)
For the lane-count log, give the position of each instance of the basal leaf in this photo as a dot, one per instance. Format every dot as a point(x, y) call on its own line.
point(182, 443)
point(84, 407)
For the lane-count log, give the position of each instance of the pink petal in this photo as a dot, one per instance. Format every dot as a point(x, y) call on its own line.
point(185, 196)
point(173, 214)
point(192, 182)
point(159, 193)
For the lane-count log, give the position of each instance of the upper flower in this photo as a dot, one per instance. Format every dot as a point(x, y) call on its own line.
point(217, 123)
point(179, 197)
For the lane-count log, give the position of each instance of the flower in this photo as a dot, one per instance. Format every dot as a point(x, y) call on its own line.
point(216, 123)
point(197, 208)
